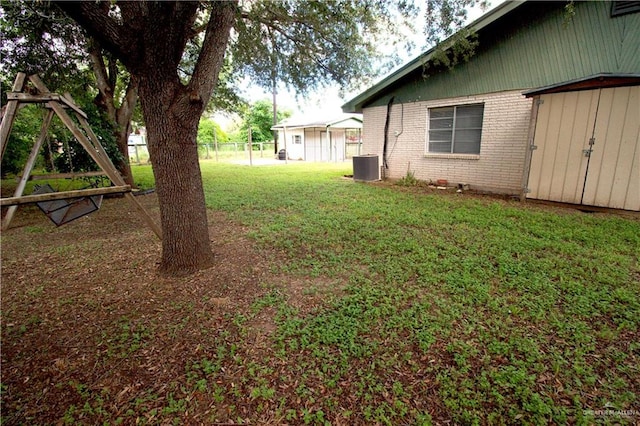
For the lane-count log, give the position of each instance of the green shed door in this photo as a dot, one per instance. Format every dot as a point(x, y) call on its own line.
point(588, 148)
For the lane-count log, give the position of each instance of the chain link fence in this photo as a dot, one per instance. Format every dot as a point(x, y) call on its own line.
point(221, 151)
point(231, 151)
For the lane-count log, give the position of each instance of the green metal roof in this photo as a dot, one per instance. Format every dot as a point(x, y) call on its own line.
point(355, 104)
point(522, 45)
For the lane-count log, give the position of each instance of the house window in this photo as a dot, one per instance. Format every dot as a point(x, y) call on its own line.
point(455, 129)
point(297, 139)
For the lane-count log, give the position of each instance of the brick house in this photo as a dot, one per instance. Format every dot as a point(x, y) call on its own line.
point(548, 107)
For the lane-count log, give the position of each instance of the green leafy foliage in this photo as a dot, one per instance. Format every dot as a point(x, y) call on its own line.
point(307, 45)
point(408, 180)
point(259, 117)
point(25, 131)
point(492, 311)
point(459, 48)
point(39, 39)
point(444, 18)
point(78, 159)
point(209, 131)
point(61, 152)
point(381, 305)
point(492, 300)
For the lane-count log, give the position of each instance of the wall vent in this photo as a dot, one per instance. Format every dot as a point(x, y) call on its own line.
point(619, 8)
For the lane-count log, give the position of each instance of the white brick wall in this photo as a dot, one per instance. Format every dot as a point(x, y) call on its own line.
point(498, 168)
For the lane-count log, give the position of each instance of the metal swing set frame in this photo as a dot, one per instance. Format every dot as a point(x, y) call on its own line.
point(70, 204)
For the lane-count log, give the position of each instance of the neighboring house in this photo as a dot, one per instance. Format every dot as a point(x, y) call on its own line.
point(335, 139)
point(548, 107)
point(133, 141)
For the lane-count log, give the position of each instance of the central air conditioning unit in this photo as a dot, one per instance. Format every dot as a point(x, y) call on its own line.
point(366, 168)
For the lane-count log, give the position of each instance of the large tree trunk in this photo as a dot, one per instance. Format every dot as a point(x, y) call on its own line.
point(171, 139)
point(150, 39)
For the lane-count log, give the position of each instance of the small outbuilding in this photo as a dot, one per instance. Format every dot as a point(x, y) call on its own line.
point(547, 107)
point(334, 139)
point(586, 142)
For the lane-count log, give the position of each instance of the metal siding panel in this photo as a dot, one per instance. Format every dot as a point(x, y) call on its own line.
point(605, 151)
point(547, 142)
point(535, 172)
point(562, 155)
point(338, 142)
point(618, 130)
point(557, 68)
point(295, 151)
point(324, 147)
point(535, 50)
point(585, 106)
point(596, 36)
point(632, 200)
point(564, 125)
point(311, 145)
point(630, 47)
point(629, 157)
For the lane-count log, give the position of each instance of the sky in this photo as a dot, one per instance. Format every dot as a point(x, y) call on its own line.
point(327, 102)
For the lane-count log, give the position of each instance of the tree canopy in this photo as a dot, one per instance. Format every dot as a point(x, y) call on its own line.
point(179, 50)
point(259, 117)
point(209, 132)
point(39, 39)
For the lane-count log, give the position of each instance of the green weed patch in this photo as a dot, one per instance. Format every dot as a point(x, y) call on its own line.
point(364, 304)
point(501, 310)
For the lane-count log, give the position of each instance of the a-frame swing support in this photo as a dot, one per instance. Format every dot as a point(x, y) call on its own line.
point(57, 104)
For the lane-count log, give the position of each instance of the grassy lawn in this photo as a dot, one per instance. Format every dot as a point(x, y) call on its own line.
point(332, 302)
point(436, 306)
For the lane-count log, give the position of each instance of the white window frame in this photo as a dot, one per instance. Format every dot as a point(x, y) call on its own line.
point(452, 154)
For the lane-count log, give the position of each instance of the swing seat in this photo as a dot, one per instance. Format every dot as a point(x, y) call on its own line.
point(68, 209)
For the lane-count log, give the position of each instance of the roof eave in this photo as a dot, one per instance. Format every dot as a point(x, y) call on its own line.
point(317, 125)
point(334, 123)
point(600, 80)
point(355, 105)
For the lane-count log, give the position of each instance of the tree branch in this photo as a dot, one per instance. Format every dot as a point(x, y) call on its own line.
point(113, 71)
point(102, 78)
point(128, 103)
point(94, 18)
point(214, 46)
